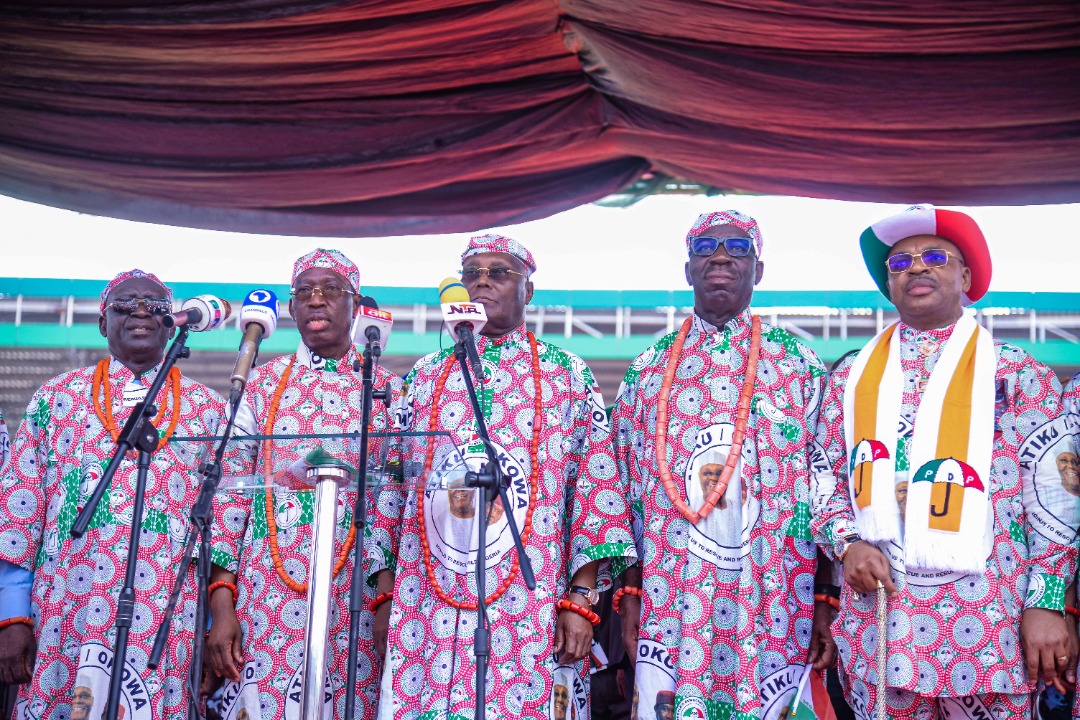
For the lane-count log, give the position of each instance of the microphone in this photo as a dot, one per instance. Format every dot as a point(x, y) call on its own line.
point(258, 318)
point(202, 312)
point(463, 319)
point(372, 326)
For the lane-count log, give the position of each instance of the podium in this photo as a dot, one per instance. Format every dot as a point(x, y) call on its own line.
point(319, 473)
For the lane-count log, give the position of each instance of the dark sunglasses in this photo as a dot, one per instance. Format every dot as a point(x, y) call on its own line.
point(932, 258)
point(154, 306)
point(706, 245)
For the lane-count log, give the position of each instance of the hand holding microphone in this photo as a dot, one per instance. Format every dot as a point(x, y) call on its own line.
point(202, 312)
point(258, 320)
point(463, 319)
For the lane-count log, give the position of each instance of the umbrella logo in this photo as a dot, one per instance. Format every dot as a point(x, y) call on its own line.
point(951, 479)
point(861, 468)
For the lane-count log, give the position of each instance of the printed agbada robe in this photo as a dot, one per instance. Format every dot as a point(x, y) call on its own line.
point(579, 515)
point(58, 456)
point(321, 396)
point(951, 634)
point(727, 604)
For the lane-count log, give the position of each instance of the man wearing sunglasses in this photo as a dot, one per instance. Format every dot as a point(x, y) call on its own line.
point(975, 567)
point(724, 619)
point(59, 632)
point(546, 417)
point(262, 540)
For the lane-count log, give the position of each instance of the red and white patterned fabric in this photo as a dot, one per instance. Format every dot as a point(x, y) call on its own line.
point(727, 603)
point(59, 454)
point(331, 260)
point(580, 515)
point(498, 243)
point(132, 274)
point(322, 396)
point(952, 634)
point(726, 217)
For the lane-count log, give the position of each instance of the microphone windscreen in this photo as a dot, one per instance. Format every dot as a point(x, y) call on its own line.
point(260, 307)
point(452, 291)
point(368, 301)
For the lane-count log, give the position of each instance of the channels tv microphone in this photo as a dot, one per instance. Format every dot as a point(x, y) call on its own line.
point(258, 319)
point(202, 312)
point(463, 319)
point(372, 326)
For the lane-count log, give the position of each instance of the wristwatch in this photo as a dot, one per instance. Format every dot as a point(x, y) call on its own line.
point(592, 595)
point(841, 546)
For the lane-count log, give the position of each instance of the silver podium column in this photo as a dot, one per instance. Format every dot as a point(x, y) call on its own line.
point(327, 480)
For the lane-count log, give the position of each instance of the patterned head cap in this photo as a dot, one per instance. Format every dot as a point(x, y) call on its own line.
point(131, 275)
point(331, 260)
point(726, 217)
point(498, 243)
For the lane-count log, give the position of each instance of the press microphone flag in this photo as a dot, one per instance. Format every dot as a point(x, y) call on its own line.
point(372, 325)
point(458, 311)
point(258, 320)
point(463, 320)
point(202, 312)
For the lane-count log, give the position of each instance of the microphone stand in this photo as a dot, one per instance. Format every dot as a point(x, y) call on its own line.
point(138, 433)
point(490, 481)
point(200, 520)
point(372, 352)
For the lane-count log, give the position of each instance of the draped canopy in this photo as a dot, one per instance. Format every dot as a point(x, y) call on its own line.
point(386, 117)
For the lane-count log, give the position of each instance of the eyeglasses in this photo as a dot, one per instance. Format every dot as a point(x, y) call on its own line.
point(706, 245)
point(154, 306)
point(931, 258)
point(498, 274)
point(330, 293)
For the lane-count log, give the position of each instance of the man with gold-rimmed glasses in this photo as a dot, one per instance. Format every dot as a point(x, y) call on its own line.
point(975, 566)
point(261, 541)
point(546, 418)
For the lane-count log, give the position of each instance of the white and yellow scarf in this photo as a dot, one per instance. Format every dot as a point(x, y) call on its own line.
point(947, 515)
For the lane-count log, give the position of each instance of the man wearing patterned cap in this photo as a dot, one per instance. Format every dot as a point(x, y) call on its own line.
point(59, 454)
point(976, 566)
point(546, 418)
point(722, 611)
point(262, 541)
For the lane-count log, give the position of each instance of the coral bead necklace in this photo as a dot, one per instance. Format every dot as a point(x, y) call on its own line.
point(268, 470)
point(103, 408)
point(741, 417)
point(534, 472)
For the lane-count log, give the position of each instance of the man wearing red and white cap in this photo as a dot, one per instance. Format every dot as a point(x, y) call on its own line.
point(714, 431)
point(546, 419)
point(262, 540)
point(966, 432)
point(69, 602)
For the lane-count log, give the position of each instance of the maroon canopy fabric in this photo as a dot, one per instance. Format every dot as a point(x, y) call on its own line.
point(411, 116)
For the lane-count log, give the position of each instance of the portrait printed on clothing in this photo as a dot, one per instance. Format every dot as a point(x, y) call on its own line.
point(452, 510)
point(721, 538)
point(1049, 454)
point(1068, 465)
point(654, 690)
point(664, 707)
point(568, 695)
point(91, 690)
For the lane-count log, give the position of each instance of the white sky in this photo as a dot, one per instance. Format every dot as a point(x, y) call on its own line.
point(809, 245)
